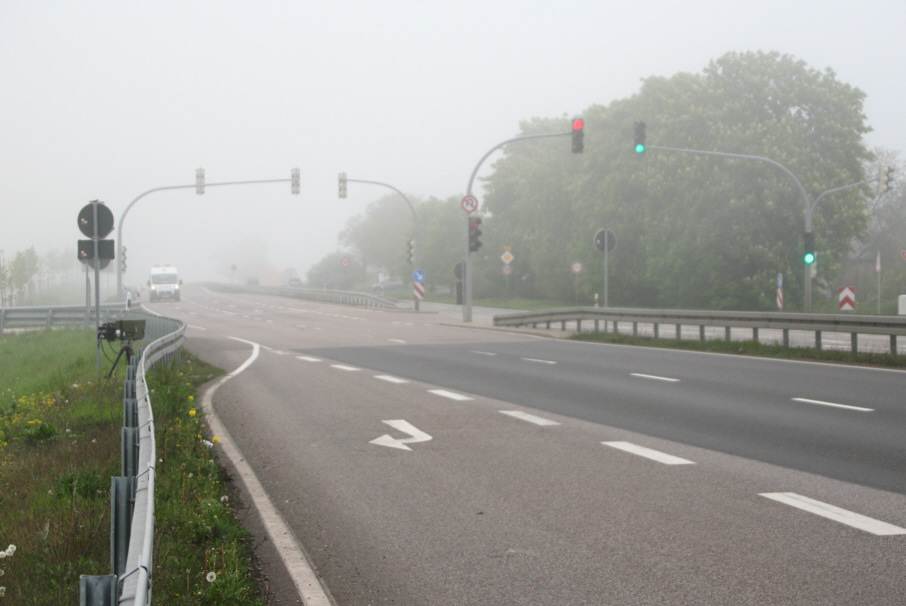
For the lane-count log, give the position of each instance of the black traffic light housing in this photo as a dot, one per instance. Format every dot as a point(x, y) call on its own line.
point(639, 137)
point(578, 135)
point(808, 254)
point(474, 233)
point(342, 179)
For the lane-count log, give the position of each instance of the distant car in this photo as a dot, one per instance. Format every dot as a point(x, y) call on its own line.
point(294, 282)
point(252, 281)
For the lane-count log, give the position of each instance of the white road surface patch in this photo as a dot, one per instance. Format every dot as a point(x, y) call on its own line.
point(837, 514)
point(648, 453)
point(518, 414)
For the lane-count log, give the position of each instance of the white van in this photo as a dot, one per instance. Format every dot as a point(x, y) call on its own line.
point(164, 283)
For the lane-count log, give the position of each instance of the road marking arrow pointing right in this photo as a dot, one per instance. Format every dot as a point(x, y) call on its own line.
point(416, 434)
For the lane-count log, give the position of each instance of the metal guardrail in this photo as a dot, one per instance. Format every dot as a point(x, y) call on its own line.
point(854, 325)
point(341, 297)
point(132, 493)
point(53, 316)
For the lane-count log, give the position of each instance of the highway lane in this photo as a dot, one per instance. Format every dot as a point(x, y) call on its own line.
point(844, 422)
point(495, 508)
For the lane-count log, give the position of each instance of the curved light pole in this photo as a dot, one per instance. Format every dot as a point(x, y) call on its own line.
point(119, 229)
point(467, 268)
point(414, 217)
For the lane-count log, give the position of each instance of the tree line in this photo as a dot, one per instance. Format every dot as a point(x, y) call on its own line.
point(692, 231)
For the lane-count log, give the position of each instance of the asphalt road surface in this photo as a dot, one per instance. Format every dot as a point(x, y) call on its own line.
point(422, 461)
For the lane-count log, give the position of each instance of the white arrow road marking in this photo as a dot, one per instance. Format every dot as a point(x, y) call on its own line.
point(405, 427)
point(648, 453)
point(837, 514)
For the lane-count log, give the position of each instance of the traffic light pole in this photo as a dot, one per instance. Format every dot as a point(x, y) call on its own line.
point(121, 295)
point(414, 220)
point(467, 266)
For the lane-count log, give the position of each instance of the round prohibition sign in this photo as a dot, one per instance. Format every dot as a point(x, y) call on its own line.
point(577, 268)
point(470, 203)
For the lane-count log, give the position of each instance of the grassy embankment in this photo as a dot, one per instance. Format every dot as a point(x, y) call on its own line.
point(60, 445)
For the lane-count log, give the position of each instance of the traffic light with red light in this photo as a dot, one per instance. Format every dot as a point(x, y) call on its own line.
point(578, 135)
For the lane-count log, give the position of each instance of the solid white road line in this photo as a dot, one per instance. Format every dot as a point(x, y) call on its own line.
point(309, 588)
point(653, 377)
point(344, 367)
point(449, 394)
point(308, 359)
point(833, 405)
point(837, 514)
point(518, 414)
point(648, 453)
point(535, 360)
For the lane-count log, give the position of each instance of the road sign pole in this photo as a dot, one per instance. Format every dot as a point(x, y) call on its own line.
point(605, 276)
point(97, 282)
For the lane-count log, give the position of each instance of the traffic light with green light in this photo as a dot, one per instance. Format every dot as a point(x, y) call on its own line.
point(809, 251)
point(639, 137)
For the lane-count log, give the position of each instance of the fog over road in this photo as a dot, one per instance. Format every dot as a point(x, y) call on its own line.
point(423, 461)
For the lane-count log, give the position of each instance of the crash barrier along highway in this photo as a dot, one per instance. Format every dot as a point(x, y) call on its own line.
point(132, 493)
point(854, 325)
point(12, 318)
point(340, 297)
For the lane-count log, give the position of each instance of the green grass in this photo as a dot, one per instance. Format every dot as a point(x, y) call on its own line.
point(748, 348)
point(60, 445)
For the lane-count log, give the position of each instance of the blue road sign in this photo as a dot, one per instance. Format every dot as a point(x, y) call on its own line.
point(418, 275)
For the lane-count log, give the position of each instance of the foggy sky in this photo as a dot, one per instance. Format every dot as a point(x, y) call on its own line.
point(108, 99)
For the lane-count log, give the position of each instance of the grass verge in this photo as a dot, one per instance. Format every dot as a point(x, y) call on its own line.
point(748, 348)
point(60, 445)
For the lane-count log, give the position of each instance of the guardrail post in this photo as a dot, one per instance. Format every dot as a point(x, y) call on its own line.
point(701, 332)
point(97, 590)
point(818, 340)
point(657, 331)
point(122, 495)
point(129, 446)
point(786, 337)
point(579, 325)
point(727, 333)
point(635, 329)
point(130, 412)
point(893, 345)
point(854, 342)
point(755, 333)
point(679, 331)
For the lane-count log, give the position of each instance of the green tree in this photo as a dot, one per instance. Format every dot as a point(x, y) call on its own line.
point(380, 236)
